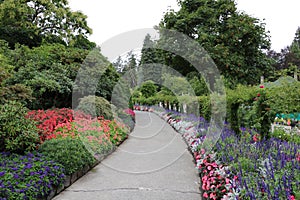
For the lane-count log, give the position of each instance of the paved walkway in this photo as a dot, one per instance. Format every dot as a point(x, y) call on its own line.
point(152, 164)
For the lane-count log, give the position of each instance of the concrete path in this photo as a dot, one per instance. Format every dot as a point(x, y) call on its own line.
point(152, 164)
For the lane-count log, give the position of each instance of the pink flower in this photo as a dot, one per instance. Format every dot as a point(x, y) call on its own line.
point(202, 151)
point(258, 94)
point(292, 197)
point(261, 86)
point(205, 195)
point(227, 181)
point(212, 195)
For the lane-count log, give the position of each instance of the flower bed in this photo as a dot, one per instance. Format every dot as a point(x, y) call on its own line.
point(70, 142)
point(31, 176)
point(240, 168)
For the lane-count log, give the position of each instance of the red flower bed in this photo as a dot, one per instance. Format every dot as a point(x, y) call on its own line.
point(47, 120)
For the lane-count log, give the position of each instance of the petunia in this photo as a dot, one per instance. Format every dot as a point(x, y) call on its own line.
point(2, 174)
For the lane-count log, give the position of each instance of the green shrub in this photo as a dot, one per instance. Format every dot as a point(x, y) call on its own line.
point(17, 133)
point(70, 153)
point(148, 89)
point(95, 106)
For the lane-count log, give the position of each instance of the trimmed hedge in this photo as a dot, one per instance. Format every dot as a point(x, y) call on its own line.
point(70, 153)
point(96, 107)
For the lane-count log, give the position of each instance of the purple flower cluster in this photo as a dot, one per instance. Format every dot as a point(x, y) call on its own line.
point(29, 176)
point(266, 169)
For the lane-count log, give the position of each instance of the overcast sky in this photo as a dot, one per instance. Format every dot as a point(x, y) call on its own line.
point(109, 18)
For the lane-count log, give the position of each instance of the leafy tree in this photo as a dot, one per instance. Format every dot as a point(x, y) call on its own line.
point(33, 21)
point(178, 85)
point(148, 89)
point(89, 75)
point(130, 69)
point(286, 62)
point(107, 82)
point(17, 92)
point(119, 64)
point(49, 71)
point(234, 40)
point(150, 57)
point(197, 83)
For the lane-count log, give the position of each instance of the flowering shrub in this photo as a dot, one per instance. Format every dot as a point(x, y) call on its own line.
point(64, 130)
point(130, 112)
point(28, 177)
point(47, 120)
point(95, 133)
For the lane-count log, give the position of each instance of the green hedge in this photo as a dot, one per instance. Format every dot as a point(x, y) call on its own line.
point(246, 106)
point(95, 106)
point(70, 153)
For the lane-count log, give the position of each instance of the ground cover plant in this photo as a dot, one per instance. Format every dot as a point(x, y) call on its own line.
point(31, 176)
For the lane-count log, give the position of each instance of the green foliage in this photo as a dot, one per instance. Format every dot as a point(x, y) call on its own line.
point(283, 96)
point(95, 106)
point(148, 65)
point(197, 83)
point(18, 134)
point(17, 92)
point(107, 83)
point(90, 73)
point(204, 107)
point(148, 89)
point(233, 39)
point(255, 107)
point(33, 21)
point(178, 85)
point(70, 153)
point(241, 95)
point(283, 135)
point(48, 71)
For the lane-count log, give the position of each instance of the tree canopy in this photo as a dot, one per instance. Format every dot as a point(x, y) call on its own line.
point(235, 41)
point(32, 21)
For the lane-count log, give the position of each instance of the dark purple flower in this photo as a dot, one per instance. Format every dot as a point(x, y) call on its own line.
point(28, 166)
point(2, 174)
point(16, 176)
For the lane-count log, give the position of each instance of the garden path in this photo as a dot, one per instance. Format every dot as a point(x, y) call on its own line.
point(152, 164)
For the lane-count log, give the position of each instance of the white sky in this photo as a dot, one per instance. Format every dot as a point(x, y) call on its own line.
point(109, 18)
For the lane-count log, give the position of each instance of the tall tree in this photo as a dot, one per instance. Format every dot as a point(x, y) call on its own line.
point(287, 61)
point(149, 59)
point(235, 41)
point(130, 70)
point(31, 21)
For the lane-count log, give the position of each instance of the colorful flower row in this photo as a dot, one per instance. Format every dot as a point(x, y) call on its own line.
point(216, 179)
point(240, 167)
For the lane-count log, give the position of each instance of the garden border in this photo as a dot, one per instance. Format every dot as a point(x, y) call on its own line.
point(71, 179)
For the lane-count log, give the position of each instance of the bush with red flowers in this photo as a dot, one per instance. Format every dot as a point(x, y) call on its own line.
point(48, 120)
